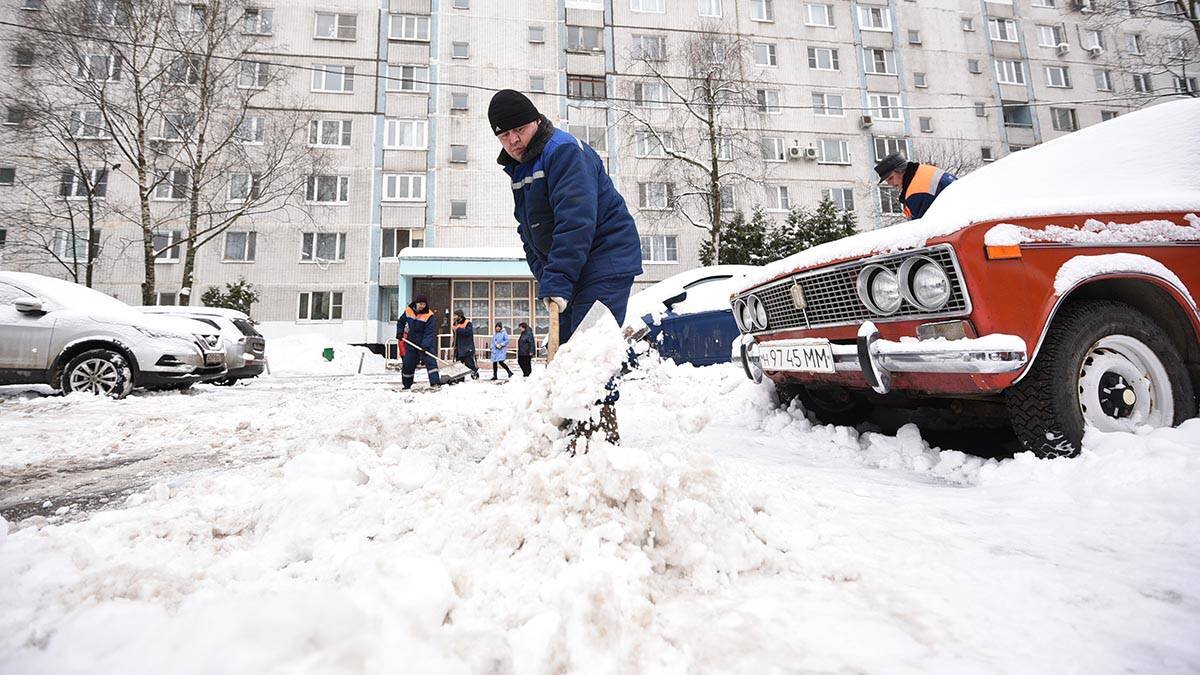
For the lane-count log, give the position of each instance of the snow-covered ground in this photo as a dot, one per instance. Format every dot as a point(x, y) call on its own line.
point(338, 525)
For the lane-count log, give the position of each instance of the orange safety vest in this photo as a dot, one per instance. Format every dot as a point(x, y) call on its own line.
point(924, 181)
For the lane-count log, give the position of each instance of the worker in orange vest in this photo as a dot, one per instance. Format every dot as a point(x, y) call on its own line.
point(919, 184)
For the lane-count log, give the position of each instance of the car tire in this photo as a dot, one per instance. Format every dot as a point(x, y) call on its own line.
point(1105, 364)
point(829, 405)
point(103, 372)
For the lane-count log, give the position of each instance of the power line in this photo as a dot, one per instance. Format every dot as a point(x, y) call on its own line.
point(1138, 96)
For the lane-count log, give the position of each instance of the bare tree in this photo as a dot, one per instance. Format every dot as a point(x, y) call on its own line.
point(705, 90)
point(1156, 38)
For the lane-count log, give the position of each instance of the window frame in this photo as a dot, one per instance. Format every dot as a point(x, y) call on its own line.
point(312, 189)
point(310, 245)
point(306, 306)
point(391, 187)
point(322, 72)
point(336, 26)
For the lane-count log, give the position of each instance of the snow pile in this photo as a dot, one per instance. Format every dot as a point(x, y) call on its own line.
point(1156, 172)
point(297, 355)
point(1083, 267)
point(1096, 232)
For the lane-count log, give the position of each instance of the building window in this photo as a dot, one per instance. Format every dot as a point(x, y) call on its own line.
point(239, 246)
point(985, 154)
point(91, 181)
point(1042, 3)
point(655, 196)
point(593, 136)
point(245, 186)
point(1142, 83)
point(768, 101)
point(31, 5)
point(15, 114)
point(885, 145)
point(586, 87)
point(818, 14)
point(1051, 36)
point(1058, 76)
point(8, 176)
point(87, 124)
point(323, 247)
point(258, 21)
point(407, 78)
point(177, 126)
point(914, 37)
point(1185, 85)
point(874, 18)
point(106, 12)
point(320, 306)
point(250, 130)
point(656, 6)
point(650, 145)
point(879, 61)
point(833, 151)
point(762, 10)
point(842, 198)
point(822, 58)
point(336, 26)
point(772, 149)
point(1002, 30)
point(537, 83)
point(461, 4)
point(458, 208)
point(1093, 39)
point(827, 105)
point(1064, 119)
point(778, 198)
point(252, 75)
point(1133, 44)
point(711, 8)
point(660, 248)
point(403, 187)
point(459, 100)
point(190, 18)
point(1010, 72)
point(328, 189)
point(165, 299)
point(650, 47)
point(926, 124)
point(1016, 114)
point(332, 78)
point(764, 54)
point(1103, 79)
point(397, 239)
point(458, 154)
point(724, 147)
point(973, 66)
point(68, 246)
point(920, 80)
point(98, 68)
point(329, 133)
point(172, 185)
point(537, 34)
point(884, 106)
point(460, 50)
point(1106, 115)
point(585, 39)
point(23, 57)
point(402, 134)
point(408, 27)
point(889, 201)
point(981, 110)
point(650, 94)
point(166, 246)
point(968, 24)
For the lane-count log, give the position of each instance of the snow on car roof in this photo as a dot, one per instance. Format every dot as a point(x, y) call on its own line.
point(711, 296)
point(1143, 162)
point(66, 293)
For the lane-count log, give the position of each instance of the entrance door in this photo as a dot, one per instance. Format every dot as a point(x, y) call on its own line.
point(438, 291)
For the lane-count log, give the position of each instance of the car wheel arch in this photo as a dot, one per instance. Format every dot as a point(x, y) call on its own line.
point(82, 345)
point(1158, 297)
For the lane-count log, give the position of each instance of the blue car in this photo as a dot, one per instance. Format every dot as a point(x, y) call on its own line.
point(689, 316)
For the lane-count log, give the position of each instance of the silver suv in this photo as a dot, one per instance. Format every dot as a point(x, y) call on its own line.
point(245, 347)
point(74, 338)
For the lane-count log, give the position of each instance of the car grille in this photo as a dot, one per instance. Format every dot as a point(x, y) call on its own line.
point(831, 295)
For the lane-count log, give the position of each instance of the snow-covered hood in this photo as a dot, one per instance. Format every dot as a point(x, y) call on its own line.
point(1143, 162)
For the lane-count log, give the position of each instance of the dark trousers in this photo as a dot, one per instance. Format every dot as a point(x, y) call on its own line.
point(500, 364)
point(408, 367)
point(613, 293)
point(526, 363)
point(468, 360)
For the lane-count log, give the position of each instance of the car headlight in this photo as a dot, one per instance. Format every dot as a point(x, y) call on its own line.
point(924, 283)
point(879, 290)
point(747, 315)
point(739, 306)
point(759, 311)
point(160, 334)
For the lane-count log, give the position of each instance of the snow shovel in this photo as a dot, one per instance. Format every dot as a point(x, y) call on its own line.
point(450, 376)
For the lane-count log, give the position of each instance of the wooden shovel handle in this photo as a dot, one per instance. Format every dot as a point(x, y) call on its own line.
point(552, 345)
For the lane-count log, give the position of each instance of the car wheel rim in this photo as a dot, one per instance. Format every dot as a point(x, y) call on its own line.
point(95, 376)
point(1123, 384)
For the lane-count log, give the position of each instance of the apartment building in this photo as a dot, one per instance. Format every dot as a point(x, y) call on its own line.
point(410, 200)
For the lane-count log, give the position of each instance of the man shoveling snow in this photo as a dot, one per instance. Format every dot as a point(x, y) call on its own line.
point(580, 240)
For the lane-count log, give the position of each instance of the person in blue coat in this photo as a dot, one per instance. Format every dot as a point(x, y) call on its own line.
point(918, 184)
point(464, 342)
point(580, 240)
point(418, 325)
point(500, 351)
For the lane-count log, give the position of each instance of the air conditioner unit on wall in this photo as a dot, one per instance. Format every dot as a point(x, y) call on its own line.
point(810, 153)
point(795, 152)
point(865, 121)
point(1063, 48)
point(1095, 51)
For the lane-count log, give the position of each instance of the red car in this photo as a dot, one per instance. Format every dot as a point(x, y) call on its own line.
point(1054, 289)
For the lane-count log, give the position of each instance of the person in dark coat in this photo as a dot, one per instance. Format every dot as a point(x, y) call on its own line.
point(580, 240)
point(525, 349)
point(919, 184)
point(500, 351)
point(464, 342)
point(418, 325)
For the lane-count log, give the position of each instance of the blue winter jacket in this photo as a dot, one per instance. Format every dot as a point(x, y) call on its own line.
point(573, 223)
point(500, 346)
point(421, 327)
point(464, 339)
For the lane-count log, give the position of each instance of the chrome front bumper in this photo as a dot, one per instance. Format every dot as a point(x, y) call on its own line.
point(877, 358)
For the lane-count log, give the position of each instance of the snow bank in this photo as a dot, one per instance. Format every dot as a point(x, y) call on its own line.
point(297, 355)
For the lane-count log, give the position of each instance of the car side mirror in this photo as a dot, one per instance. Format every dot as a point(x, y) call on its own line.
point(671, 301)
point(29, 305)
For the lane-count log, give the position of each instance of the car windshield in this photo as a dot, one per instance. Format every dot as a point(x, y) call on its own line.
point(244, 326)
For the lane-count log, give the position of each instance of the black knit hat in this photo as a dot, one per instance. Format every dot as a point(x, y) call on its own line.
point(510, 109)
point(893, 162)
point(421, 297)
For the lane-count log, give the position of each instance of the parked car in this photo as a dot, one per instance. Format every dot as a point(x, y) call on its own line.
point(1054, 288)
point(245, 347)
point(74, 338)
point(688, 315)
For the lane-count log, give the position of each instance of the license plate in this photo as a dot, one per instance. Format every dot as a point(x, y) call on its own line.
point(810, 356)
point(214, 359)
